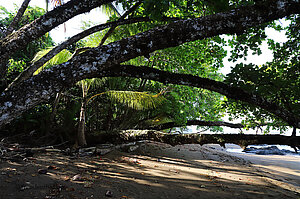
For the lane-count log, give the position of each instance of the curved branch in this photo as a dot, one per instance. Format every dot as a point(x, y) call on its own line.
point(199, 82)
point(198, 123)
point(242, 140)
point(19, 39)
point(31, 69)
point(113, 27)
point(104, 60)
point(17, 18)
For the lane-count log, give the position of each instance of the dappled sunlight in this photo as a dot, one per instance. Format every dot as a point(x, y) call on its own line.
point(168, 172)
point(85, 165)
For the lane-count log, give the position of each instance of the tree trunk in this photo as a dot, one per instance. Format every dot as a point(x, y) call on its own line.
point(242, 140)
point(103, 61)
point(19, 39)
point(81, 125)
point(54, 107)
point(17, 18)
point(197, 123)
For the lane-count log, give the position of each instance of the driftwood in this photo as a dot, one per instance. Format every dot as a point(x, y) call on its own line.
point(242, 140)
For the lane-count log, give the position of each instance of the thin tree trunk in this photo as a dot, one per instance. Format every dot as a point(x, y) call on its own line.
point(81, 125)
point(54, 109)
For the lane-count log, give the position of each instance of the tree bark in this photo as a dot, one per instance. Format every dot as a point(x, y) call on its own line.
point(198, 123)
point(103, 61)
point(212, 85)
point(19, 39)
point(27, 73)
point(17, 18)
point(81, 124)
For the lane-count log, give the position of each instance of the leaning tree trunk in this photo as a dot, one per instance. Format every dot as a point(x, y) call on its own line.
point(243, 140)
point(81, 125)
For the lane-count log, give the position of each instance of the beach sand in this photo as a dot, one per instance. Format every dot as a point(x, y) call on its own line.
point(155, 170)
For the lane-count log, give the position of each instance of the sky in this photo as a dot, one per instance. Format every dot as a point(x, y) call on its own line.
point(74, 25)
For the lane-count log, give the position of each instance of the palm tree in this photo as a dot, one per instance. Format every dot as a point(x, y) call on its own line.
point(85, 86)
point(108, 9)
point(135, 100)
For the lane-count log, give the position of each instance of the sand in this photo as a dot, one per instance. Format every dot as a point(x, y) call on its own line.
point(283, 170)
point(155, 170)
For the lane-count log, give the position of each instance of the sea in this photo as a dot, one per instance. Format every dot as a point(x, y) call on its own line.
point(267, 149)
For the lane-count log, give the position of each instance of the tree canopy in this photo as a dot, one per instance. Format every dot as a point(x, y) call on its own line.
point(170, 47)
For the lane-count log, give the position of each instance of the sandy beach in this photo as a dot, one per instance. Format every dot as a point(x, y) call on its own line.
point(283, 170)
point(155, 170)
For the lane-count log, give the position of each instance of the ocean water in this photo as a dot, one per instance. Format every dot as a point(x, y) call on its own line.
point(237, 149)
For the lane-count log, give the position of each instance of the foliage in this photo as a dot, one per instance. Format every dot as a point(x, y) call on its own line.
point(33, 47)
point(59, 58)
point(22, 59)
point(201, 58)
point(123, 103)
point(134, 100)
point(278, 80)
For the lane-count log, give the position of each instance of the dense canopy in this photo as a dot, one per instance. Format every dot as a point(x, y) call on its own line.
point(165, 53)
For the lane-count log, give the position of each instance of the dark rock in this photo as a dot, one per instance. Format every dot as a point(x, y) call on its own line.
point(271, 150)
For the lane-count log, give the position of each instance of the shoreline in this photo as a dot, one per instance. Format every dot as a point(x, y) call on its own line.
point(283, 170)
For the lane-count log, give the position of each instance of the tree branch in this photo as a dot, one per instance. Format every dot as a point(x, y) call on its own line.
point(199, 82)
point(242, 140)
point(113, 27)
point(17, 18)
point(19, 39)
point(31, 69)
point(198, 123)
point(104, 60)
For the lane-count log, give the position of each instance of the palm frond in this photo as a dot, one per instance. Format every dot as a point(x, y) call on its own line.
point(94, 39)
point(60, 58)
point(110, 9)
point(99, 82)
point(136, 100)
point(3, 11)
point(132, 99)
